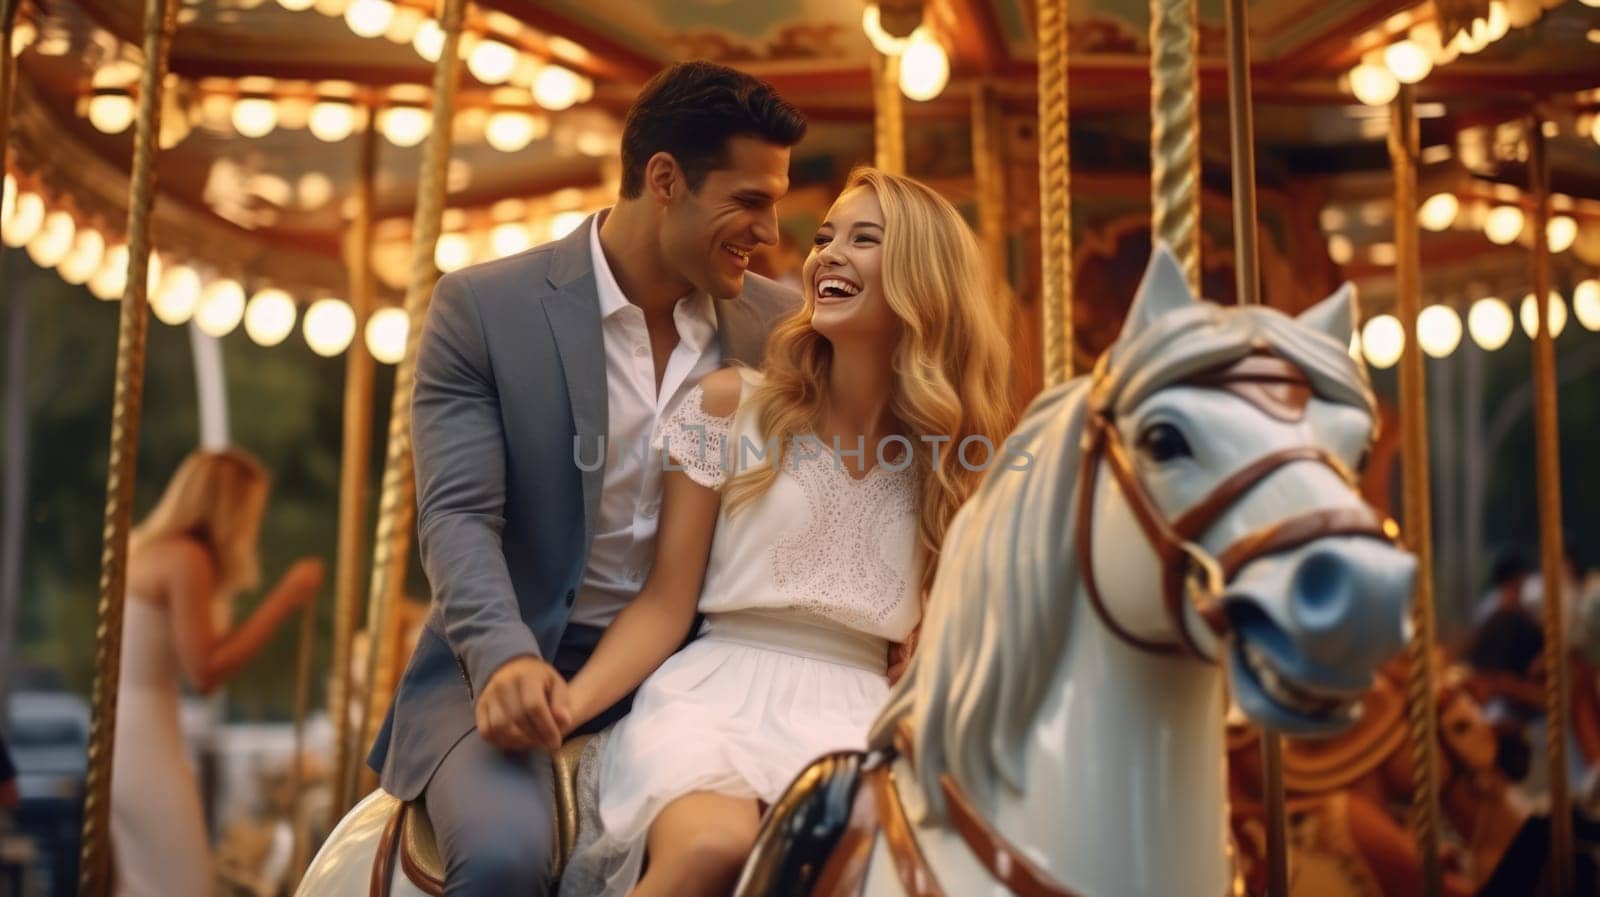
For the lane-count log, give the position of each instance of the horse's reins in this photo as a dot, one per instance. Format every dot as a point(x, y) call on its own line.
point(1190, 574)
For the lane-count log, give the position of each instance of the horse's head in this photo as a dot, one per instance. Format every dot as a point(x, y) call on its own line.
point(1221, 483)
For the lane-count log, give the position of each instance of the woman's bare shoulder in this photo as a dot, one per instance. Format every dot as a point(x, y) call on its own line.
point(176, 563)
point(721, 390)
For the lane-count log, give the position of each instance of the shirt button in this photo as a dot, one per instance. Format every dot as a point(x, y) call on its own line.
point(571, 596)
point(651, 509)
point(640, 351)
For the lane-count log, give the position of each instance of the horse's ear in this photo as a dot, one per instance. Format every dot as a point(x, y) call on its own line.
point(1335, 315)
point(1162, 289)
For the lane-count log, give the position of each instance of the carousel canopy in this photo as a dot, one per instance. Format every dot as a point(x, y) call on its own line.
point(269, 98)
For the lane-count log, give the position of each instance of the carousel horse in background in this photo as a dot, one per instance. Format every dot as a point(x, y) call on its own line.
point(1348, 796)
point(1188, 515)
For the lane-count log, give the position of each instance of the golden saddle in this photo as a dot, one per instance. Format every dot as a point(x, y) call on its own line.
point(408, 837)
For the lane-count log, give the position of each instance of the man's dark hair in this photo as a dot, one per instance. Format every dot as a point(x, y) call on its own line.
point(690, 110)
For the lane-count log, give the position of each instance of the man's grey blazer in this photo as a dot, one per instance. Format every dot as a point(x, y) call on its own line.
point(511, 368)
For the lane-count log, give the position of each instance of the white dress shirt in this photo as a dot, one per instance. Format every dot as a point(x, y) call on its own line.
point(630, 499)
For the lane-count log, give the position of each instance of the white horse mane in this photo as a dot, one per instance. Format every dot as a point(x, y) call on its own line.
point(1000, 607)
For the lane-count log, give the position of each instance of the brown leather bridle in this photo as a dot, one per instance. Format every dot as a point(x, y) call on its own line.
point(1190, 574)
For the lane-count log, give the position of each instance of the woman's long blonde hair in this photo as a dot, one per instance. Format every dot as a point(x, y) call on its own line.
point(215, 498)
point(952, 365)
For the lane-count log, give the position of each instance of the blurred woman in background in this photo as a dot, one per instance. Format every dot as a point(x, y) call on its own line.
point(186, 561)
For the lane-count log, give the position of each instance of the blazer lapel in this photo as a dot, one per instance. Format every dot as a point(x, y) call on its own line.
point(573, 311)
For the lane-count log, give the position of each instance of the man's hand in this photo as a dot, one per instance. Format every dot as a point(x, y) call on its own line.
point(524, 705)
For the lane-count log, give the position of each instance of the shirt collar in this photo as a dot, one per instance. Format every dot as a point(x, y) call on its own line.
point(695, 314)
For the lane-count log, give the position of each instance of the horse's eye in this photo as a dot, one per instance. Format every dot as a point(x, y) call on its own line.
point(1162, 443)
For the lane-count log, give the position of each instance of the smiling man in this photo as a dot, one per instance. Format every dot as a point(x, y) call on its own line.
point(528, 365)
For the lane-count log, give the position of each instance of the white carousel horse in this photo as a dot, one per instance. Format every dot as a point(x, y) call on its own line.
point(1188, 517)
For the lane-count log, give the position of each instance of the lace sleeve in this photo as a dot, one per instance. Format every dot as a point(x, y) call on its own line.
point(696, 440)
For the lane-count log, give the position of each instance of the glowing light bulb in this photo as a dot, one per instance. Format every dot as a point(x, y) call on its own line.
point(81, 263)
point(1557, 312)
point(53, 241)
point(331, 121)
point(452, 252)
point(1503, 225)
point(881, 40)
point(492, 62)
point(1438, 330)
point(509, 131)
point(269, 317)
point(386, 334)
point(429, 40)
point(405, 125)
point(1373, 85)
point(556, 88)
point(1586, 304)
point(1499, 20)
point(254, 116)
point(297, 5)
point(563, 223)
point(1489, 322)
point(111, 113)
point(108, 281)
point(1382, 341)
point(26, 219)
point(1439, 211)
point(1407, 61)
point(221, 308)
point(176, 296)
point(1340, 249)
point(329, 326)
point(1560, 233)
point(924, 67)
point(369, 18)
point(510, 239)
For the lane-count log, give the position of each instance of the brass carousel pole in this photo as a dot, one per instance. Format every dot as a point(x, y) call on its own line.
point(1175, 132)
point(1247, 284)
point(396, 505)
point(355, 463)
point(888, 114)
point(989, 179)
point(1055, 208)
point(1551, 562)
point(94, 870)
point(1421, 696)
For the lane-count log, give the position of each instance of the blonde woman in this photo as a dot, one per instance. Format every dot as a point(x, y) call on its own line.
point(808, 563)
point(186, 561)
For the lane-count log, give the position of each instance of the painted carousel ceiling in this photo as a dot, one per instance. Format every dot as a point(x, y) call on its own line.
point(262, 128)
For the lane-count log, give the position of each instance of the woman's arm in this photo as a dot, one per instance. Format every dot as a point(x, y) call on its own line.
point(655, 622)
point(208, 657)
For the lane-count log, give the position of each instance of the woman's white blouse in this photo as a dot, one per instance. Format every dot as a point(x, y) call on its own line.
point(819, 540)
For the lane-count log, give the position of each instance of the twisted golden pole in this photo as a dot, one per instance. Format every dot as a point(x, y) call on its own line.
point(888, 114)
point(1421, 696)
point(1175, 132)
point(94, 867)
point(1551, 563)
point(396, 505)
point(354, 465)
point(1055, 210)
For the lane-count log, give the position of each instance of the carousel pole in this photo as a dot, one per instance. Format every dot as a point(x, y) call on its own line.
point(888, 114)
point(11, 509)
point(94, 872)
point(354, 465)
point(1551, 562)
point(989, 179)
point(1055, 210)
point(1175, 133)
point(1421, 696)
point(1247, 284)
point(396, 504)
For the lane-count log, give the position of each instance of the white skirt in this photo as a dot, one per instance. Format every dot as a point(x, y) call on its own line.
point(740, 711)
